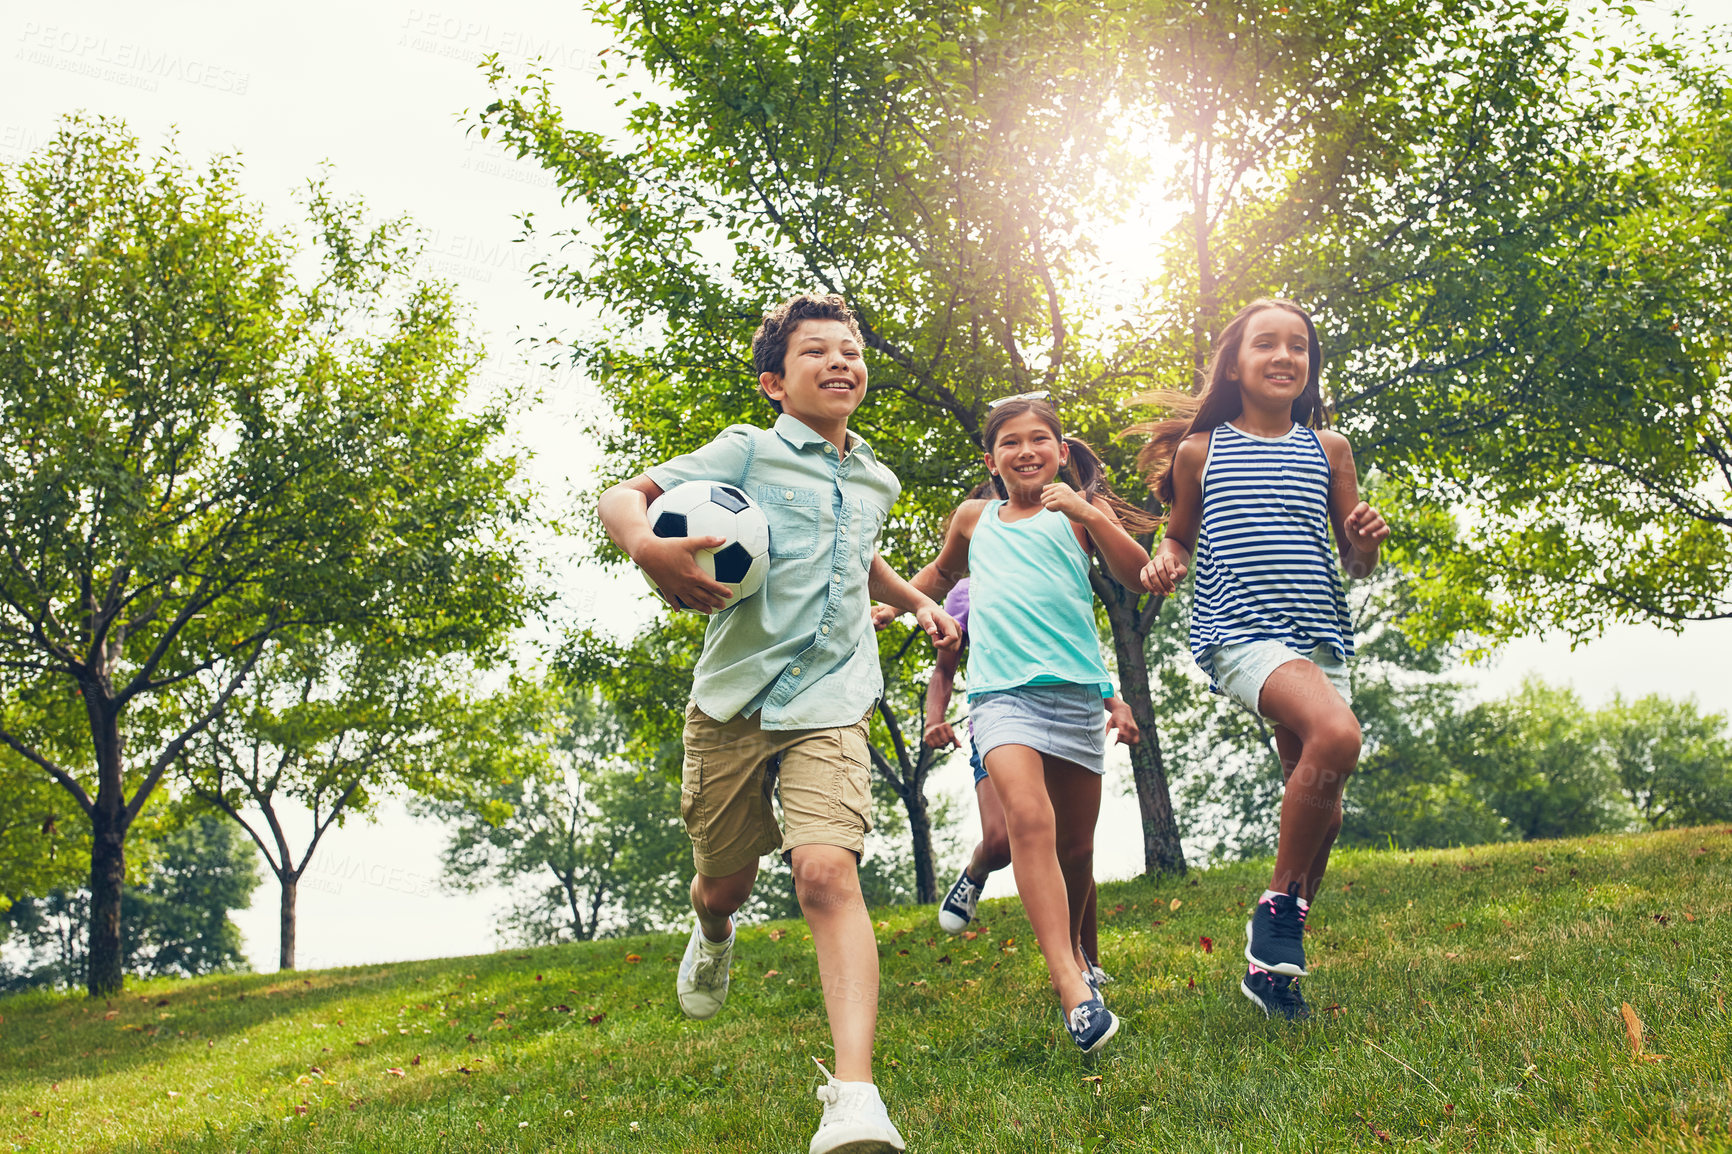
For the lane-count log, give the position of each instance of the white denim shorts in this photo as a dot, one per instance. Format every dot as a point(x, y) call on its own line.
point(1241, 669)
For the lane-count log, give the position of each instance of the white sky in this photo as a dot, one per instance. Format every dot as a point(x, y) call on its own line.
point(376, 89)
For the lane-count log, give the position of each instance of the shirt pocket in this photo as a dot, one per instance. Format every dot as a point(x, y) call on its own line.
point(793, 517)
point(871, 524)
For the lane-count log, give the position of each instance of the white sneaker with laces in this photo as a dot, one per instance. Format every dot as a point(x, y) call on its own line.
point(703, 981)
point(855, 1121)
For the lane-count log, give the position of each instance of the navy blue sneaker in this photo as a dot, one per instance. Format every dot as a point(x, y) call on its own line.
point(1274, 993)
point(1091, 1025)
point(957, 909)
point(1275, 935)
point(1094, 976)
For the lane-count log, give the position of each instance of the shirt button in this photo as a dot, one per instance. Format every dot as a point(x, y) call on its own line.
point(787, 494)
point(836, 577)
point(829, 448)
point(795, 671)
point(824, 629)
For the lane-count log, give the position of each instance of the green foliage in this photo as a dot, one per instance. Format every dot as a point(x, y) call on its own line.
point(593, 845)
point(176, 922)
point(43, 846)
point(1464, 1024)
point(1674, 763)
point(201, 449)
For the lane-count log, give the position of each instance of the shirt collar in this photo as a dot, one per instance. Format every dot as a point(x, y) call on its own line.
point(798, 434)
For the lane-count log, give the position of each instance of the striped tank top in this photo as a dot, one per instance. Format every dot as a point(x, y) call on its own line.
point(1031, 611)
point(1266, 570)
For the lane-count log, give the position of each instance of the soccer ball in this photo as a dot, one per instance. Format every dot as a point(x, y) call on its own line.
point(711, 509)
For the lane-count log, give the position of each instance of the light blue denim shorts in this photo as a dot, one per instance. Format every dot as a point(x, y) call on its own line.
point(1065, 721)
point(1241, 669)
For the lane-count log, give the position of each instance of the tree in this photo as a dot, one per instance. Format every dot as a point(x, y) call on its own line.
point(1673, 761)
point(331, 727)
point(608, 832)
point(952, 171)
point(40, 846)
point(200, 450)
point(177, 920)
point(940, 167)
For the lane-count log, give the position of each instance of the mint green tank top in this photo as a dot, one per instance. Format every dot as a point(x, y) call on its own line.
point(1031, 612)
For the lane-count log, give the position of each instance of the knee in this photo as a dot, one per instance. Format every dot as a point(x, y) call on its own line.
point(1076, 852)
point(826, 880)
point(722, 895)
point(1337, 743)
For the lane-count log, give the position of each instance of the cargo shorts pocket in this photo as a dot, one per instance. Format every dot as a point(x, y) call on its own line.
point(854, 777)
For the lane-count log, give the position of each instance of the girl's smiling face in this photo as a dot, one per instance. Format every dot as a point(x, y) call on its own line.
point(1274, 359)
point(1027, 455)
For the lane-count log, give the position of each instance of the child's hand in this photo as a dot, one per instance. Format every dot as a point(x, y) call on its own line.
point(671, 563)
point(883, 614)
point(940, 735)
point(1163, 572)
point(1119, 718)
point(939, 626)
point(1061, 497)
point(1364, 528)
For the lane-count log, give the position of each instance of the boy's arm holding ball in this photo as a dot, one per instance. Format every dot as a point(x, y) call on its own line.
point(669, 561)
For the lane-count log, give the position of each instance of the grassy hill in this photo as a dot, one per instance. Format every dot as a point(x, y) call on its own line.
point(1468, 1000)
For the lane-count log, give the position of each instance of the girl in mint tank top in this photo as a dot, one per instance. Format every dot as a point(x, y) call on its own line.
point(1036, 678)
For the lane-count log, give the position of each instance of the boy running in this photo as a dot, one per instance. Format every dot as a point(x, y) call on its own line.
point(787, 681)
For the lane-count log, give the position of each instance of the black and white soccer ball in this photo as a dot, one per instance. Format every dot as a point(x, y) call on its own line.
point(712, 509)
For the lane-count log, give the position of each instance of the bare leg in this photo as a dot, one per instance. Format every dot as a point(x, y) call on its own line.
point(716, 899)
point(1021, 780)
point(1076, 803)
point(1287, 745)
point(1324, 736)
point(993, 851)
point(827, 879)
point(1090, 935)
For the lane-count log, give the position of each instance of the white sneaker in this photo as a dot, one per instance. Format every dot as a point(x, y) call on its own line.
point(855, 1121)
point(703, 981)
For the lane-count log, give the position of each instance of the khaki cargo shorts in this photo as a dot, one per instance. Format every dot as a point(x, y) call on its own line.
point(732, 768)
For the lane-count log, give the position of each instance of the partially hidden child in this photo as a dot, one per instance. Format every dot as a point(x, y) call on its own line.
point(786, 683)
point(1254, 482)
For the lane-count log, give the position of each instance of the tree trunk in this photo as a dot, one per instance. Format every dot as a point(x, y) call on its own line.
point(1162, 852)
point(920, 831)
point(108, 825)
point(106, 971)
point(286, 921)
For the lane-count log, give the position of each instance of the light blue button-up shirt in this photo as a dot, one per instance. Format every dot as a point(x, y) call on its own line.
point(802, 649)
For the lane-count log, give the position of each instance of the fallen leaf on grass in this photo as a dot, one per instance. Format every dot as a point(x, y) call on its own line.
point(970, 935)
point(1174, 904)
point(1452, 957)
point(1118, 909)
point(596, 1021)
point(1633, 1030)
point(415, 1061)
point(1380, 1135)
point(1689, 917)
point(1207, 943)
point(633, 959)
point(395, 1071)
point(1454, 925)
point(778, 935)
point(111, 1015)
point(562, 1008)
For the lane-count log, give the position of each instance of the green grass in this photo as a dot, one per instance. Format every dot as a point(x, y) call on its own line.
point(1468, 999)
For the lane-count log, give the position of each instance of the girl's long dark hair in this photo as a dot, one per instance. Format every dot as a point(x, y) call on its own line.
point(1086, 473)
point(1219, 400)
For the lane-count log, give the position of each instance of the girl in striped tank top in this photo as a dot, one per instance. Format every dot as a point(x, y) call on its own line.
point(1035, 675)
point(1253, 482)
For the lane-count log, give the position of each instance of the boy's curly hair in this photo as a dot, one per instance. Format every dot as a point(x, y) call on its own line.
point(770, 342)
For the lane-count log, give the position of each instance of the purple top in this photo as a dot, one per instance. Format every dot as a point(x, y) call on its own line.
point(956, 604)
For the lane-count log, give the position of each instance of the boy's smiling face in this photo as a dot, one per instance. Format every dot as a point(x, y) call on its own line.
point(823, 377)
